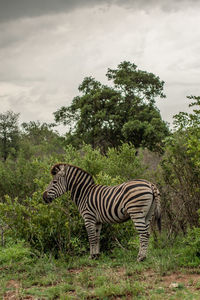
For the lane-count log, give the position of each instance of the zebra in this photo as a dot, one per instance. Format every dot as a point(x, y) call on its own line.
point(137, 200)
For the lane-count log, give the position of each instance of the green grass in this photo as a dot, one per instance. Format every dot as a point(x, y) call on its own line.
point(116, 275)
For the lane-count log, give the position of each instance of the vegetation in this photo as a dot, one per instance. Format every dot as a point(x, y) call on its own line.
point(106, 116)
point(115, 133)
point(8, 134)
point(181, 171)
point(25, 275)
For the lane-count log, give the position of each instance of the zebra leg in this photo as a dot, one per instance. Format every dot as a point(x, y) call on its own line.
point(144, 240)
point(143, 230)
point(93, 237)
point(144, 236)
point(98, 231)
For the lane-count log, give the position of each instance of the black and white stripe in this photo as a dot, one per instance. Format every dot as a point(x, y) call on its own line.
point(136, 199)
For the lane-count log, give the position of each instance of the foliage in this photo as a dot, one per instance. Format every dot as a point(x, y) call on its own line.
point(136, 83)
point(118, 165)
point(17, 178)
point(9, 134)
point(38, 145)
point(106, 116)
point(190, 256)
point(189, 125)
point(190, 250)
point(14, 253)
point(181, 171)
point(46, 228)
point(40, 140)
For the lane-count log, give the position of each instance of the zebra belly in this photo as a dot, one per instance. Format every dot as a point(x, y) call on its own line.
point(113, 215)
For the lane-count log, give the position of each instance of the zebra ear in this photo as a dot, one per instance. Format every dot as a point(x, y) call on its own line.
point(57, 168)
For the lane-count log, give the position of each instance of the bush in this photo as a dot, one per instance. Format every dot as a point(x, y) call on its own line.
point(190, 256)
point(14, 253)
point(181, 172)
point(117, 165)
point(17, 178)
point(179, 185)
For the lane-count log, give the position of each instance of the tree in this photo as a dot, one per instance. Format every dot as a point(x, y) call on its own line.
point(107, 116)
point(94, 116)
point(181, 169)
point(39, 139)
point(188, 126)
point(37, 132)
point(9, 134)
point(135, 83)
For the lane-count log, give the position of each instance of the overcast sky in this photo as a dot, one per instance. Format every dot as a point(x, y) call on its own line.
point(47, 47)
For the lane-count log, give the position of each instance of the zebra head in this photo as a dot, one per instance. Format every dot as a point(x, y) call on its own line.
point(58, 185)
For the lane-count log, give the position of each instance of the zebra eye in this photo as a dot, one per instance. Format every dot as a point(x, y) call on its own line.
point(54, 181)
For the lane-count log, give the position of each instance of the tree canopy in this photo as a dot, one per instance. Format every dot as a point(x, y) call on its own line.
point(9, 134)
point(105, 116)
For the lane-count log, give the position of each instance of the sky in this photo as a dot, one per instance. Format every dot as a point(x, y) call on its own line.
point(47, 47)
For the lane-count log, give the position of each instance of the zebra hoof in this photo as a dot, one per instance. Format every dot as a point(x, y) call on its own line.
point(141, 258)
point(94, 256)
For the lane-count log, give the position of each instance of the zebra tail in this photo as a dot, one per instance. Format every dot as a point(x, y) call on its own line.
point(156, 195)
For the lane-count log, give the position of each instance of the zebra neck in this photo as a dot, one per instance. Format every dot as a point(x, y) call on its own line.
point(79, 184)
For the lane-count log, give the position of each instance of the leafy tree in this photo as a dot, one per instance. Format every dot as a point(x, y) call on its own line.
point(39, 139)
point(188, 125)
point(107, 116)
point(37, 132)
point(135, 83)
point(181, 169)
point(9, 134)
point(190, 121)
point(93, 117)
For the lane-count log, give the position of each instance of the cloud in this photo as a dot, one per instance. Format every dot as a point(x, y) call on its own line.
point(44, 57)
point(17, 9)
point(27, 8)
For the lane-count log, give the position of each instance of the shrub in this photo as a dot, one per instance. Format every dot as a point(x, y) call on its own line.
point(190, 255)
point(14, 253)
point(181, 171)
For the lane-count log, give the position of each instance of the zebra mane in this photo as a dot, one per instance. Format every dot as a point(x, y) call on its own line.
point(56, 168)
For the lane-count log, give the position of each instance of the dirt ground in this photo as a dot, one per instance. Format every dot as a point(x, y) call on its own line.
point(169, 282)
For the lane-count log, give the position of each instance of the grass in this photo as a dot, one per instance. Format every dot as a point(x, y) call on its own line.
point(116, 275)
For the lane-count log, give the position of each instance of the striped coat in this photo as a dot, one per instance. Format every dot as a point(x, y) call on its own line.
point(136, 199)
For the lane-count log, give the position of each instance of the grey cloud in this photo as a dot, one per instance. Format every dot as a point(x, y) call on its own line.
point(10, 10)
point(165, 5)
point(16, 9)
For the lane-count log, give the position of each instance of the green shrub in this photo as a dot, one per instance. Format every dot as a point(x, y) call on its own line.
point(17, 178)
point(180, 175)
point(14, 253)
point(190, 255)
point(116, 166)
point(45, 227)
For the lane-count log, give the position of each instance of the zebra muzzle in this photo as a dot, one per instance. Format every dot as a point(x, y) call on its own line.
point(46, 198)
